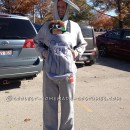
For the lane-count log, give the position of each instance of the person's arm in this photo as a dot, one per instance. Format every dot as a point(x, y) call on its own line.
point(41, 48)
point(81, 43)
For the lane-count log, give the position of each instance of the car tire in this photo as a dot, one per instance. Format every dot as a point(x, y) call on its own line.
point(103, 51)
point(89, 63)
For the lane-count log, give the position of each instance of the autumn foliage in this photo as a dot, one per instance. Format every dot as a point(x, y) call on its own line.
point(102, 21)
point(42, 11)
point(121, 7)
point(15, 6)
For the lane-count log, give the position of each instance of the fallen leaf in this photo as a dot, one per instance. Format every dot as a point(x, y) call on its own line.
point(6, 91)
point(27, 120)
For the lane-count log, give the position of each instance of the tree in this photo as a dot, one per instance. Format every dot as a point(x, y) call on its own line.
point(43, 11)
point(101, 21)
point(26, 7)
point(85, 13)
point(17, 6)
point(121, 7)
point(127, 20)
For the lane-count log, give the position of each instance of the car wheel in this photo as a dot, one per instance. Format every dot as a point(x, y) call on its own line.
point(89, 63)
point(103, 51)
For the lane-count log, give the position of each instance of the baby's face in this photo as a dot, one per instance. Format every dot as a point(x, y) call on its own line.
point(56, 31)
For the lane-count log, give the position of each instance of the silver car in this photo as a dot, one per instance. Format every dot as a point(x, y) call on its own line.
point(90, 55)
point(18, 58)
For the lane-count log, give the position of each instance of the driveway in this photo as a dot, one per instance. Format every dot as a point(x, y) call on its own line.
point(102, 100)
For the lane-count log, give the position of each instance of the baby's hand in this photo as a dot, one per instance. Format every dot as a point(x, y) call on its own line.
point(45, 53)
point(74, 53)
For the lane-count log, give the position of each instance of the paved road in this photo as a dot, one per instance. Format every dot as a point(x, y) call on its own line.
point(102, 100)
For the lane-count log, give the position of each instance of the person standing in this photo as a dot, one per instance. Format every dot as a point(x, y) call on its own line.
point(59, 74)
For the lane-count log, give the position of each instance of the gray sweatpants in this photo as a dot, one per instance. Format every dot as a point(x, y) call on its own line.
point(51, 91)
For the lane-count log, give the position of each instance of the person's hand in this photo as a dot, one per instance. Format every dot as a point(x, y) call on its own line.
point(74, 53)
point(45, 54)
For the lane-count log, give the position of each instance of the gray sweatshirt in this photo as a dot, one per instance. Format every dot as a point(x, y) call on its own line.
point(60, 62)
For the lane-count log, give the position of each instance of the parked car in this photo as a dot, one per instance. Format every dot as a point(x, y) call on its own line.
point(115, 42)
point(18, 58)
point(37, 26)
point(91, 53)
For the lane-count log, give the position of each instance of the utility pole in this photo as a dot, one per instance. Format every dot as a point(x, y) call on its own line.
point(34, 20)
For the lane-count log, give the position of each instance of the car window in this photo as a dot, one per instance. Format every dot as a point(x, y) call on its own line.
point(16, 29)
point(114, 34)
point(87, 32)
point(37, 26)
point(126, 35)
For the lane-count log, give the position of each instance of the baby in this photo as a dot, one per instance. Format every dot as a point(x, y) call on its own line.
point(57, 27)
point(60, 60)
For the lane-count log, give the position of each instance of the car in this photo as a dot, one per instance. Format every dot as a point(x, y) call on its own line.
point(115, 42)
point(18, 57)
point(37, 26)
point(90, 55)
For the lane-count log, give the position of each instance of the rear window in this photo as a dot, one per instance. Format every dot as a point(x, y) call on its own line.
point(16, 29)
point(87, 32)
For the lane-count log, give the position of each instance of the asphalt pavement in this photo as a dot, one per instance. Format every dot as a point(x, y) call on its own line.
point(102, 100)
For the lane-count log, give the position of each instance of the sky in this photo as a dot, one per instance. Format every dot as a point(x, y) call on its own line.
point(112, 13)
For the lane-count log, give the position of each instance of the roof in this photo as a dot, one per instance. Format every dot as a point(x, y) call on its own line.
point(122, 29)
point(13, 16)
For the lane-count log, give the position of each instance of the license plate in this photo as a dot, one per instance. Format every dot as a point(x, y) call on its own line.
point(83, 58)
point(5, 52)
